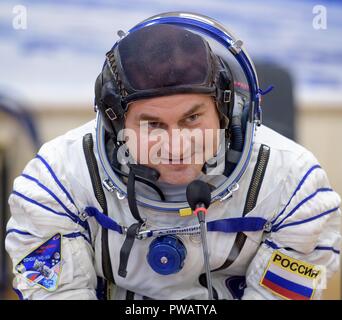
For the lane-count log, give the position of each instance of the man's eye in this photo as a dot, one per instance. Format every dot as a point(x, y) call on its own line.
point(192, 118)
point(154, 124)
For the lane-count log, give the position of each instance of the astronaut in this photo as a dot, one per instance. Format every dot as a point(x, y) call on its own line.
point(272, 227)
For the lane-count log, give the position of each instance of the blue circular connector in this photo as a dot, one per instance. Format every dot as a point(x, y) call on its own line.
point(166, 255)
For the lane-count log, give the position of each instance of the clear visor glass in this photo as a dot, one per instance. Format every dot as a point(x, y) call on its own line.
point(221, 42)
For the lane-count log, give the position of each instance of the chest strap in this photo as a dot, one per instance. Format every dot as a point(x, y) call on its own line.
point(229, 225)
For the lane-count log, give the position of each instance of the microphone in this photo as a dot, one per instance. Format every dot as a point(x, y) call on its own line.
point(199, 196)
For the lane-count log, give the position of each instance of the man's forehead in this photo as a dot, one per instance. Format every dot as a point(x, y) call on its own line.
point(179, 105)
point(145, 115)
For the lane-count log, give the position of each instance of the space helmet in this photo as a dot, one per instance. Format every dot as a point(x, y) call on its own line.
point(174, 53)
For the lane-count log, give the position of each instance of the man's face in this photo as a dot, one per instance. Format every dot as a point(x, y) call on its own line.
point(174, 134)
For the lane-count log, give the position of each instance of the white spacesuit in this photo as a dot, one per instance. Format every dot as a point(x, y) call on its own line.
point(272, 226)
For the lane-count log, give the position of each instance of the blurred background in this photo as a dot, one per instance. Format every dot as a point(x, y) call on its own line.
point(52, 51)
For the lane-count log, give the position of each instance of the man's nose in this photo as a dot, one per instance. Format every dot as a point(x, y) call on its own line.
point(178, 144)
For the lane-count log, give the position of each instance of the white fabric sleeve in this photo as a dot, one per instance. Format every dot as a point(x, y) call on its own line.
point(43, 205)
point(306, 227)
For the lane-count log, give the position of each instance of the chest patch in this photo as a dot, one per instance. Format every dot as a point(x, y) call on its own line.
point(42, 266)
point(290, 278)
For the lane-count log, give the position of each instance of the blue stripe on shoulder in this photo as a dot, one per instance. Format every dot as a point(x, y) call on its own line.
point(275, 246)
point(55, 178)
point(50, 193)
point(76, 235)
point(84, 224)
point(18, 231)
point(296, 190)
point(275, 226)
point(328, 248)
point(68, 235)
point(40, 204)
point(306, 220)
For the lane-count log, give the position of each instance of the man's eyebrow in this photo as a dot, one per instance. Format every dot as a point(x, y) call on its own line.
point(149, 117)
point(193, 110)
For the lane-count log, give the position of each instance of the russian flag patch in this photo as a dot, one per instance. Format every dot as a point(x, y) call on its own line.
point(290, 278)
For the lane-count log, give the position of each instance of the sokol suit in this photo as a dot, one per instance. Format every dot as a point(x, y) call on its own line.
point(53, 192)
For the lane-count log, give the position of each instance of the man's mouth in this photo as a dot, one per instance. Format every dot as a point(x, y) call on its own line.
point(179, 161)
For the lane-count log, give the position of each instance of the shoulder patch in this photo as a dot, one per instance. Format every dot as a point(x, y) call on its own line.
point(290, 278)
point(42, 266)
